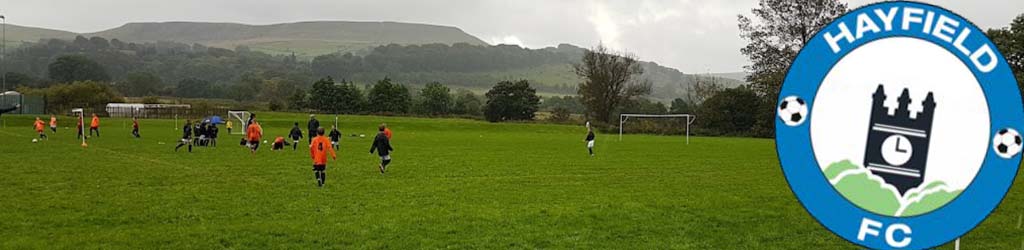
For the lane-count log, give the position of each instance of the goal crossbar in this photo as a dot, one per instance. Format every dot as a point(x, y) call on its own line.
point(689, 120)
point(242, 116)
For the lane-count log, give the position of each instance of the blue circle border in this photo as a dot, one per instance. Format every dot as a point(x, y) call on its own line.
point(844, 218)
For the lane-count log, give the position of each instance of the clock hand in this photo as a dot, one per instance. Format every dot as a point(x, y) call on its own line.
point(898, 149)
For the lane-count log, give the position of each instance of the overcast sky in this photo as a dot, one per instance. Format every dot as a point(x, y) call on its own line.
point(695, 36)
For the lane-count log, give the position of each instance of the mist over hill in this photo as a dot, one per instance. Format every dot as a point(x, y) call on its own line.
point(363, 52)
point(301, 38)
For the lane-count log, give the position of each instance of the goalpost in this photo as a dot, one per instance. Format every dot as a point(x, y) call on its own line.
point(689, 120)
point(242, 116)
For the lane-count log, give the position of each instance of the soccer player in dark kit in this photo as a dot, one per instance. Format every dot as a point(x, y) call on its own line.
point(186, 136)
point(295, 135)
point(383, 147)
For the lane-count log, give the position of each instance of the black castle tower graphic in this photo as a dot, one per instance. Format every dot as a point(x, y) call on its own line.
point(897, 146)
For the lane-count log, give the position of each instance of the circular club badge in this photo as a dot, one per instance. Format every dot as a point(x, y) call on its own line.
point(898, 126)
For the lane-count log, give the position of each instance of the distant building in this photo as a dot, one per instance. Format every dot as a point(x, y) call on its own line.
point(147, 110)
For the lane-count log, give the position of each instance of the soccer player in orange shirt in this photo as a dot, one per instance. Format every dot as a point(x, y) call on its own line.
point(40, 128)
point(279, 143)
point(135, 127)
point(53, 123)
point(95, 125)
point(318, 149)
point(254, 132)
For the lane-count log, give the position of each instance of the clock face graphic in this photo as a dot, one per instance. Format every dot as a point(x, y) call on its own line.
point(896, 150)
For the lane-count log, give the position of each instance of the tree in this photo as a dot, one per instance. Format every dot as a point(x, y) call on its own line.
point(139, 84)
point(322, 95)
point(87, 94)
point(99, 43)
point(351, 98)
point(386, 97)
point(298, 100)
point(436, 99)
point(781, 29)
point(681, 106)
point(729, 112)
point(608, 81)
point(703, 88)
point(327, 96)
point(277, 90)
point(508, 101)
point(560, 114)
point(192, 88)
point(17, 79)
point(1010, 41)
point(71, 68)
point(467, 103)
point(643, 106)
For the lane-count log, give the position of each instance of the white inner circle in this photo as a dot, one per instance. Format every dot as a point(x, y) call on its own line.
point(841, 110)
point(897, 150)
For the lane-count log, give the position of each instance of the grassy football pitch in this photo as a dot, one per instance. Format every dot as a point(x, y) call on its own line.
point(453, 184)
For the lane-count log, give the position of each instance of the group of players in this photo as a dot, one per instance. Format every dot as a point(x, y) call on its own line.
point(94, 127)
point(320, 145)
point(200, 134)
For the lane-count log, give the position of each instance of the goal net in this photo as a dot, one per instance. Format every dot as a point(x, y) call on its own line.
point(242, 117)
point(688, 119)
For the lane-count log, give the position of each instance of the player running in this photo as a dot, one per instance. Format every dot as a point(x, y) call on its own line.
point(53, 123)
point(95, 125)
point(296, 134)
point(318, 149)
point(40, 128)
point(312, 125)
point(254, 132)
point(186, 137)
point(590, 141)
point(382, 144)
point(135, 127)
point(335, 137)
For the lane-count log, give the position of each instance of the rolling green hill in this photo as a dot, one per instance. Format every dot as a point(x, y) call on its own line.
point(17, 35)
point(469, 62)
point(305, 39)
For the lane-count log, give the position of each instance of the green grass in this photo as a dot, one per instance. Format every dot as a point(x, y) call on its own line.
point(453, 184)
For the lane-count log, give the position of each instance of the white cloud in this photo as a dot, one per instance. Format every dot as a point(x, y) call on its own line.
point(604, 24)
point(509, 39)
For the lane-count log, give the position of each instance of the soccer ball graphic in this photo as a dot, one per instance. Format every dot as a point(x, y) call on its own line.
point(35, 140)
point(1006, 143)
point(792, 110)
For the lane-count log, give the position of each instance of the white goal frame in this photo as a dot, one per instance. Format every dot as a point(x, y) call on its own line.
point(689, 120)
point(243, 117)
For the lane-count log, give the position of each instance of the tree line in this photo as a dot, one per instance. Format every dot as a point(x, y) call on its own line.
point(506, 101)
